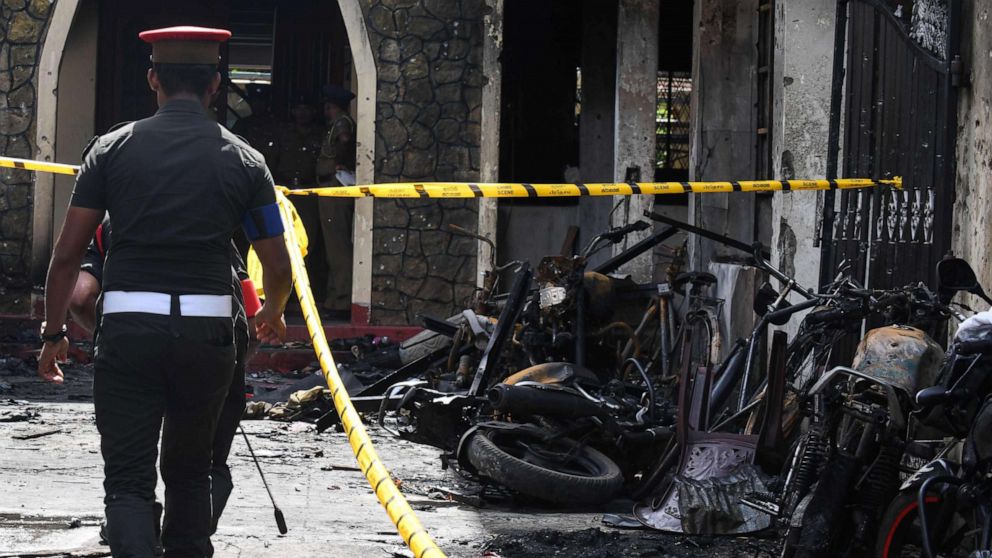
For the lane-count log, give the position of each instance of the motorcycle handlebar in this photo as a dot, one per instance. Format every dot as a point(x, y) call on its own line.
point(976, 346)
point(616, 235)
point(829, 315)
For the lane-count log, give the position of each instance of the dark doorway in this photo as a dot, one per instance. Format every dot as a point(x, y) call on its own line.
point(284, 51)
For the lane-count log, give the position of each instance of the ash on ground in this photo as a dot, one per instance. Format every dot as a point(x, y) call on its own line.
point(622, 544)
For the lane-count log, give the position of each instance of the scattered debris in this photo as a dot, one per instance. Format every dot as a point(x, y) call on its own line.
point(35, 435)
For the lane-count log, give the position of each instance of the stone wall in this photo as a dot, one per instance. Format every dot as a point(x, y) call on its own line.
point(22, 28)
point(428, 128)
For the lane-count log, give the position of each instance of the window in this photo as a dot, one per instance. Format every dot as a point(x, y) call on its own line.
point(672, 121)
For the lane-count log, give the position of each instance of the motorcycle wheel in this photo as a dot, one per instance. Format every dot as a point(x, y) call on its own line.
point(899, 533)
point(559, 471)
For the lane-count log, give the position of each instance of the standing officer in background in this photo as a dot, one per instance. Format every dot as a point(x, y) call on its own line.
point(176, 186)
point(336, 160)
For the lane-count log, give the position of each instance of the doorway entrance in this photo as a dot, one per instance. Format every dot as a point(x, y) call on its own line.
point(283, 50)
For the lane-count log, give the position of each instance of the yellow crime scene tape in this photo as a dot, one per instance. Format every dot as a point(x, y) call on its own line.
point(402, 515)
point(527, 190)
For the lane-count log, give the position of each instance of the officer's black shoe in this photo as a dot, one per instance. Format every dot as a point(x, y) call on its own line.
point(157, 509)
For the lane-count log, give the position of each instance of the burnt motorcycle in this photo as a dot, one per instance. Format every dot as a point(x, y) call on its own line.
point(945, 508)
point(847, 464)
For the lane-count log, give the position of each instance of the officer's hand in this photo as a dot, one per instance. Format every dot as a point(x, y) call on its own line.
point(252, 339)
point(51, 355)
point(270, 325)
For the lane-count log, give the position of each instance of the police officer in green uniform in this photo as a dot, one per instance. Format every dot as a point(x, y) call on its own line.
point(337, 159)
point(299, 144)
point(176, 186)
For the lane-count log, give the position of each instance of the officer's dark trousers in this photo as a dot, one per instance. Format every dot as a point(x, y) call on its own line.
point(227, 428)
point(160, 373)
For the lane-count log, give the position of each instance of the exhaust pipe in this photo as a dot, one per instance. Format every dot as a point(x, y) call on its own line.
point(526, 400)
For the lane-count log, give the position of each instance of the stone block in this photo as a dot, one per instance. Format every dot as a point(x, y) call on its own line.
point(22, 97)
point(429, 114)
point(445, 10)
point(390, 241)
point(21, 75)
point(435, 242)
point(40, 8)
point(415, 67)
point(388, 72)
point(446, 129)
point(390, 166)
point(455, 156)
point(449, 93)
point(462, 246)
point(18, 146)
point(426, 217)
point(447, 71)
point(381, 20)
point(406, 112)
point(15, 121)
point(409, 287)
point(410, 46)
point(434, 50)
point(415, 268)
point(472, 134)
point(419, 91)
point(11, 247)
point(24, 29)
point(23, 55)
point(394, 134)
point(421, 136)
point(425, 26)
point(435, 289)
point(387, 264)
point(19, 196)
point(458, 49)
point(389, 50)
point(444, 265)
point(15, 224)
point(456, 110)
point(418, 164)
point(401, 19)
point(413, 245)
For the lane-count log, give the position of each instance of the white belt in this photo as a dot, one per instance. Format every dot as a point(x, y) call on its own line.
point(204, 306)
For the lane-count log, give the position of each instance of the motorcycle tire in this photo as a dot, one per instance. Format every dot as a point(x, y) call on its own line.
point(523, 460)
point(899, 532)
point(425, 343)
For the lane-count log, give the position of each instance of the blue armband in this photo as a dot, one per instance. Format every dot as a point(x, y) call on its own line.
point(263, 222)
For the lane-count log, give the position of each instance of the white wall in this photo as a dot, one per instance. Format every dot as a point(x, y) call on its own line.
point(972, 235)
point(804, 58)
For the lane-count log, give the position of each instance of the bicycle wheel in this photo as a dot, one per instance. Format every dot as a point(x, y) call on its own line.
point(699, 327)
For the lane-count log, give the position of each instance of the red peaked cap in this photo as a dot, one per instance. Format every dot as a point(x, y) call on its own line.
point(185, 44)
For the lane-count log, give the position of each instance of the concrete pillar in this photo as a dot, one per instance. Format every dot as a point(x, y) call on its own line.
point(973, 203)
point(804, 34)
point(489, 149)
point(723, 122)
point(597, 119)
point(634, 130)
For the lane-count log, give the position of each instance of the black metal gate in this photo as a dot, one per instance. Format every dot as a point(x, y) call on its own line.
point(899, 119)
